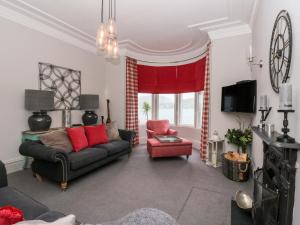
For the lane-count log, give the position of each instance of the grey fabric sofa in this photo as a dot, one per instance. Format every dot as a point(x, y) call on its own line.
point(30, 207)
point(62, 167)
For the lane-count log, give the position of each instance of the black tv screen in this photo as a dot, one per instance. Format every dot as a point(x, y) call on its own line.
point(240, 97)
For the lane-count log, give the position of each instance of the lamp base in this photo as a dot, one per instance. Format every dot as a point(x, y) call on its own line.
point(89, 118)
point(39, 121)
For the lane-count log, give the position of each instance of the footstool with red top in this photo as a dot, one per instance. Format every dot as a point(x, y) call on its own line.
point(158, 149)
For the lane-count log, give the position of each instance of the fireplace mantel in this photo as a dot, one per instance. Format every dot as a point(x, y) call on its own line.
point(271, 140)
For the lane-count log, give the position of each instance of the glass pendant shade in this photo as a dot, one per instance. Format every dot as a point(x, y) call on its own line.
point(109, 48)
point(106, 39)
point(111, 27)
point(115, 49)
point(101, 37)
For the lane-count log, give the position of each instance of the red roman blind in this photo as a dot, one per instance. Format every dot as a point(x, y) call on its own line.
point(172, 79)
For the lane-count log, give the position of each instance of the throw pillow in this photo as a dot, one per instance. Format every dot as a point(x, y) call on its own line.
point(77, 138)
point(112, 131)
point(96, 134)
point(67, 220)
point(57, 139)
point(10, 215)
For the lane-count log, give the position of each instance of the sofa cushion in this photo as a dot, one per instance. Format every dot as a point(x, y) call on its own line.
point(77, 138)
point(57, 139)
point(114, 147)
point(86, 157)
point(30, 207)
point(112, 131)
point(96, 134)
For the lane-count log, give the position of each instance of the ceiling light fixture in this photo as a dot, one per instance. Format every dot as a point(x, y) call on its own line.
point(107, 39)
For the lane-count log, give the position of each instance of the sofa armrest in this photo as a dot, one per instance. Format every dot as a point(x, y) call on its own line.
point(42, 152)
point(127, 135)
point(3, 175)
point(172, 132)
point(150, 133)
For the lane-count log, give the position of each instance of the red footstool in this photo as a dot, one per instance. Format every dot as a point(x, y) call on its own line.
point(158, 149)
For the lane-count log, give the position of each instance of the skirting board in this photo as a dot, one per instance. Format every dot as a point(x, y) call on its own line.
point(14, 165)
point(196, 143)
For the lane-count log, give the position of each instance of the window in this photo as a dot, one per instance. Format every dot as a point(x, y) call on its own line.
point(180, 109)
point(144, 101)
point(166, 107)
point(187, 109)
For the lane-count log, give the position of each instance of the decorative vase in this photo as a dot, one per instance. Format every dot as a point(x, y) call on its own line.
point(89, 118)
point(39, 121)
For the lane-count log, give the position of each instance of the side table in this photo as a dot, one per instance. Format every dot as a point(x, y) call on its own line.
point(34, 136)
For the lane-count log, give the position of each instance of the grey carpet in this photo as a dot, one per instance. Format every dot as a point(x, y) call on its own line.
point(189, 191)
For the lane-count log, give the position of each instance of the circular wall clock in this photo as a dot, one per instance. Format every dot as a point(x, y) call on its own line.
point(280, 50)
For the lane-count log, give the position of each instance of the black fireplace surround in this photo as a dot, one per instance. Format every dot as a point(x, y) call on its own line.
point(274, 183)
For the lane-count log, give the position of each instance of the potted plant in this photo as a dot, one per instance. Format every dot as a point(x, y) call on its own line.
point(240, 138)
point(146, 108)
point(236, 164)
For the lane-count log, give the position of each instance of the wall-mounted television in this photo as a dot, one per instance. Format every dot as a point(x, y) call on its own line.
point(240, 97)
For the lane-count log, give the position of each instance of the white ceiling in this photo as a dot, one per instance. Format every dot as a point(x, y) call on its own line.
point(153, 27)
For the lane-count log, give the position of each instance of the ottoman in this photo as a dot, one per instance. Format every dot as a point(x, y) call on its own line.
point(158, 149)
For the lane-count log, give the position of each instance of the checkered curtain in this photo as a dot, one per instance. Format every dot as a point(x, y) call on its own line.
point(205, 112)
point(132, 97)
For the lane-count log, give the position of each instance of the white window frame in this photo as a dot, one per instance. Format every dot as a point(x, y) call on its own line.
point(177, 110)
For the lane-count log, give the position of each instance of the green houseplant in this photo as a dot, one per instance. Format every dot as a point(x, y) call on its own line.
point(240, 138)
point(146, 108)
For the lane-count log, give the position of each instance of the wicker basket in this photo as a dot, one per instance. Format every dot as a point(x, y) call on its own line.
point(235, 170)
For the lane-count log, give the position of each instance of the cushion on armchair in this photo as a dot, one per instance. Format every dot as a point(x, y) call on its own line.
point(160, 127)
point(172, 132)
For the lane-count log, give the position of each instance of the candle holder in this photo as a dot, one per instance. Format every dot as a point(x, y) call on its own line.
point(285, 137)
point(264, 115)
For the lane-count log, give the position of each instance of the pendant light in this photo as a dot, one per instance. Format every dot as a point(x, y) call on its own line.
point(106, 40)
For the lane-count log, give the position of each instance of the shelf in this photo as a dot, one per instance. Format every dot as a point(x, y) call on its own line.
point(272, 140)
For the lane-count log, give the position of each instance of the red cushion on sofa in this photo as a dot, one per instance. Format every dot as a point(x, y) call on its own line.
point(77, 138)
point(10, 215)
point(96, 134)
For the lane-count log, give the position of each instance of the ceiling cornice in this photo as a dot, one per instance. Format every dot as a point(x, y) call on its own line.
point(230, 32)
point(31, 17)
point(52, 27)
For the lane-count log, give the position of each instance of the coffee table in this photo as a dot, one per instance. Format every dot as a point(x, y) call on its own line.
point(157, 148)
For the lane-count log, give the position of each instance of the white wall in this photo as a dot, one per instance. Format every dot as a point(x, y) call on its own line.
point(262, 30)
point(115, 90)
point(228, 66)
point(20, 51)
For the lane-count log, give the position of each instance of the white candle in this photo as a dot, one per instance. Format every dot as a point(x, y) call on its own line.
point(263, 102)
point(285, 97)
point(250, 52)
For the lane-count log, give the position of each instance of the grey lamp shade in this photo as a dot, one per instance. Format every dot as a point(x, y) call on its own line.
point(89, 102)
point(36, 100)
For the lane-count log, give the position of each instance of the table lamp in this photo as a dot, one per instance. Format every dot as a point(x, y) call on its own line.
point(89, 103)
point(39, 102)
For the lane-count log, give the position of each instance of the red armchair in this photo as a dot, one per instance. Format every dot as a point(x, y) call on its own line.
point(159, 127)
